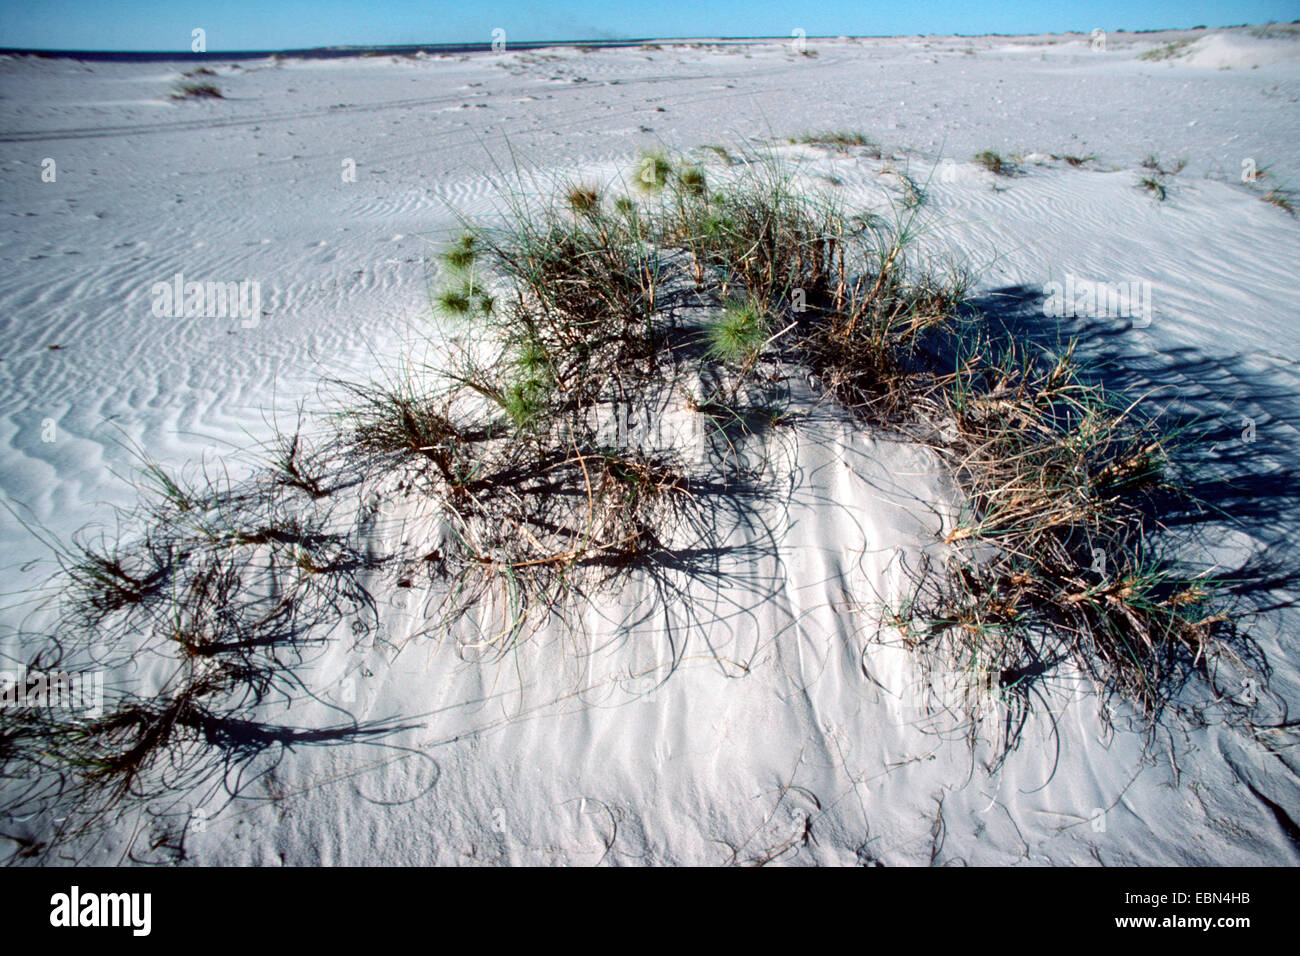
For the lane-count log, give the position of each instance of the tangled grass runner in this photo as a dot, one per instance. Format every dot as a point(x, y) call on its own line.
point(572, 328)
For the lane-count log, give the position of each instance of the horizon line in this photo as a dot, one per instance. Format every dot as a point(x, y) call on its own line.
point(340, 50)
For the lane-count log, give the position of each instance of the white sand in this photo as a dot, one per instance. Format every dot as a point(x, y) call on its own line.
point(783, 707)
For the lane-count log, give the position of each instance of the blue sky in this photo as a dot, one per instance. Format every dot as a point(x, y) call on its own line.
point(165, 25)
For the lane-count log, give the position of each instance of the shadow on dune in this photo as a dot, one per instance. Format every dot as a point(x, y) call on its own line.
point(1235, 420)
point(232, 632)
point(1233, 513)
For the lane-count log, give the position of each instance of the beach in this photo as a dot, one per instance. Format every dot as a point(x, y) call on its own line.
point(750, 708)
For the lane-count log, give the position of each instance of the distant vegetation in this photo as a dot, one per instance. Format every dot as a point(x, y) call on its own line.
point(1156, 178)
point(996, 163)
point(1169, 51)
point(839, 140)
point(195, 90)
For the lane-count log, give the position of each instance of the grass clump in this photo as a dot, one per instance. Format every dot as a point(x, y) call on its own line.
point(108, 577)
point(195, 91)
point(526, 398)
point(461, 254)
point(462, 299)
point(1153, 163)
point(463, 294)
point(1050, 559)
point(399, 421)
point(1156, 179)
point(841, 141)
point(294, 465)
point(996, 163)
point(214, 590)
point(1276, 195)
point(653, 171)
point(1154, 186)
point(1281, 197)
point(1168, 51)
point(581, 292)
point(739, 334)
point(583, 200)
point(760, 235)
point(723, 154)
point(691, 180)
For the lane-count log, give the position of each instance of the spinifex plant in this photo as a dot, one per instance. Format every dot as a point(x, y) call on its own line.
point(572, 315)
point(1050, 558)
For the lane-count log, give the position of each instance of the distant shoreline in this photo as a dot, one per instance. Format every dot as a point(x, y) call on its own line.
point(339, 52)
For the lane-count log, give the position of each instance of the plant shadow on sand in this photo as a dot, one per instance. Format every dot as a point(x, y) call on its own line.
point(1236, 420)
point(238, 599)
point(1234, 513)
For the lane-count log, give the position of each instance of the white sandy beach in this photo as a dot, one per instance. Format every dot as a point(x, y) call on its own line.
point(766, 719)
